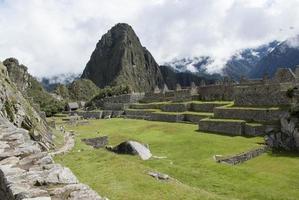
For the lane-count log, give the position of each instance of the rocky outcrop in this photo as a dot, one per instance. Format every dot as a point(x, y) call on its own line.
point(32, 90)
point(287, 138)
point(15, 108)
point(120, 59)
point(26, 172)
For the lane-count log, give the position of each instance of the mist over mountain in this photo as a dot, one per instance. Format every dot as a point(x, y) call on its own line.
point(50, 83)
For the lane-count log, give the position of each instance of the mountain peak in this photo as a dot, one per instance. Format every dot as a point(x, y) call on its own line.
point(120, 59)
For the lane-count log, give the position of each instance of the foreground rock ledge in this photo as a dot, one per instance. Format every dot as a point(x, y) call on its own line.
point(26, 172)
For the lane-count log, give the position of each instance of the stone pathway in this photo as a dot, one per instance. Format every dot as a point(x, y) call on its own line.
point(26, 172)
point(69, 143)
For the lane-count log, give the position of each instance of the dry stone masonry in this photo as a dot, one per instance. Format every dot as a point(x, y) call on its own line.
point(27, 172)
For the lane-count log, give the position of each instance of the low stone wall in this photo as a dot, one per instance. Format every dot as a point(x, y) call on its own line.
point(254, 130)
point(115, 106)
point(166, 117)
point(90, 114)
point(249, 114)
point(26, 172)
point(193, 118)
point(225, 127)
point(101, 114)
point(177, 107)
point(240, 158)
point(204, 107)
point(146, 106)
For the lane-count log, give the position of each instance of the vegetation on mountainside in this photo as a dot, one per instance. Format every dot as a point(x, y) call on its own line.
point(189, 161)
point(82, 90)
point(78, 90)
point(108, 92)
point(37, 95)
point(32, 90)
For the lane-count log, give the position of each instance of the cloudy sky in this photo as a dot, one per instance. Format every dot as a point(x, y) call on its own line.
point(58, 36)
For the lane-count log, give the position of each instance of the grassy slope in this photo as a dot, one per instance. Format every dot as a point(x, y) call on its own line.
point(189, 160)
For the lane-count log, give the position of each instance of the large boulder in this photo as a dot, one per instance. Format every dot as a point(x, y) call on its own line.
point(133, 148)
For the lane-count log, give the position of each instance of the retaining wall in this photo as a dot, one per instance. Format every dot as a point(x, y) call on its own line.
point(225, 127)
point(257, 115)
point(166, 117)
point(178, 107)
point(261, 95)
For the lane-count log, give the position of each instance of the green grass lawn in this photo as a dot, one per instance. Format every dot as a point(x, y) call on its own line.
point(189, 161)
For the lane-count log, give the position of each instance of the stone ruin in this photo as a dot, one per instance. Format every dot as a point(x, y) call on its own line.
point(28, 172)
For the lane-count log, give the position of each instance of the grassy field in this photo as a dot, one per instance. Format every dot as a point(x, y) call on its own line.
point(189, 161)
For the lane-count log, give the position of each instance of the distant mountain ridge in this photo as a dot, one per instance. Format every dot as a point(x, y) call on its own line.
point(250, 62)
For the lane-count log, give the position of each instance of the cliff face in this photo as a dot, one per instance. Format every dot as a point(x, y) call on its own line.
point(15, 108)
point(120, 59)
point(39, 98)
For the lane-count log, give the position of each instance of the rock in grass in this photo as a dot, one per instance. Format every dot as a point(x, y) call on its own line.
point(98, 142)
point(159, 176)
point(132, 148)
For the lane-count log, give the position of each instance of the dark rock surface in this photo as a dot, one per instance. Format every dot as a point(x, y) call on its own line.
point(120, 59)
point(98, 142)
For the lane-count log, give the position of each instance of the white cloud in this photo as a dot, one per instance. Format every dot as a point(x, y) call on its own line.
point(58, 36)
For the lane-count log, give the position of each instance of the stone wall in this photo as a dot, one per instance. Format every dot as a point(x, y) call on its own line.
point(240, 158)
point(115, 106)
point(177, 107)
point(222, 92)
point(182, 95)
point(225, 127)
point(261, 95)
point(90, 114)
point(205, 107)
point(27, 172)
point(193, 118)
point(166, 117)
point(249, 114)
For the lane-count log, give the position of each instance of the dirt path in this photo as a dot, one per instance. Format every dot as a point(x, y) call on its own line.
point(69, 143)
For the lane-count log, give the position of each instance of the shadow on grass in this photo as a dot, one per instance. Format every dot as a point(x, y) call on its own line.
point(224, 134)
point(281, 153)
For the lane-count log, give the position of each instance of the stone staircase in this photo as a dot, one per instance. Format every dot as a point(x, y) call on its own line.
point(26, 172)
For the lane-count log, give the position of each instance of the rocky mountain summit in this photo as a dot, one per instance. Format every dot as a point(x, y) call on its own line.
point(120, 59)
